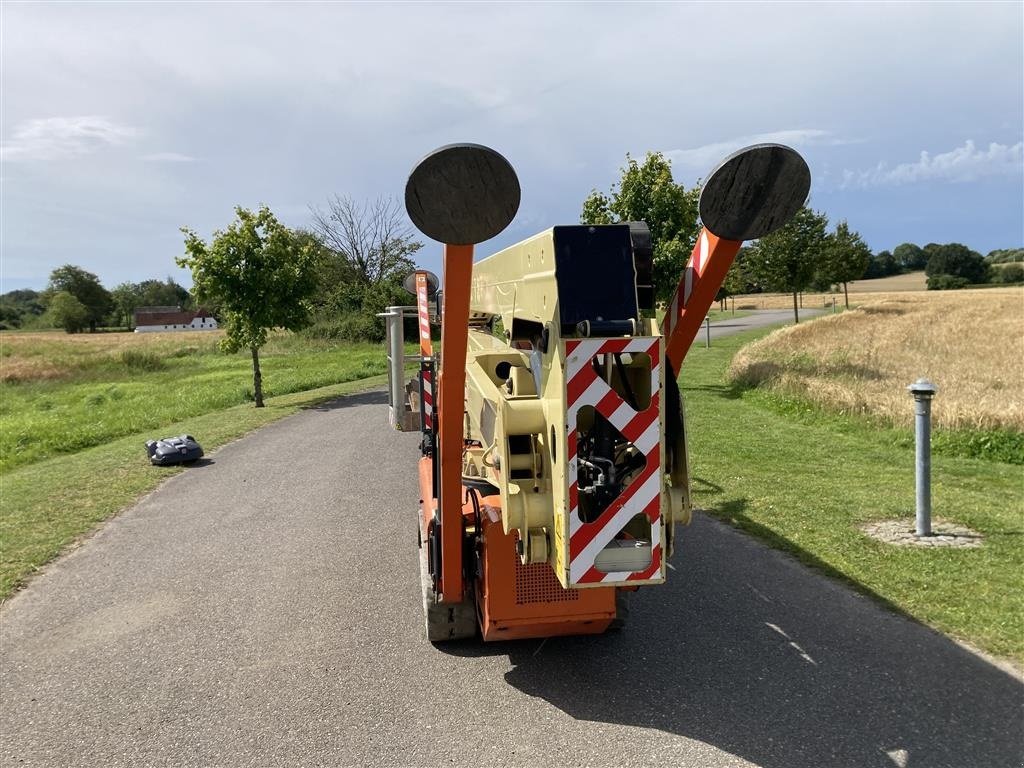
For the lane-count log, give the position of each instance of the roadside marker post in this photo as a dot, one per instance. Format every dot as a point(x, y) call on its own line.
point(923, 391)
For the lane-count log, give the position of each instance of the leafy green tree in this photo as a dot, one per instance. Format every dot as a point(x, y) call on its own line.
point(845, 257)
point(9, 317)
point(1013, 272)
point(736, 279)
point(1005, 256)
point(646, 192)
point(67, 312)
point(787, 259)
point(882, 264)
point(910, 257)
point(261, 273)
point(959, 261)
point(947, 283)
point(930, 250)
point(163, 293)
point(126, 298)
point(85, 287)
point(20, 305)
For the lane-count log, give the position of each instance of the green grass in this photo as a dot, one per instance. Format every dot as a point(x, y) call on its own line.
point(804, 481)
point(999, 445)
point(108, 394)
point(50, 503)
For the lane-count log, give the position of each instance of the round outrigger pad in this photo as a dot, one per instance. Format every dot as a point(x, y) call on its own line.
point(462, 194)
point(754, 192)
point(410, 282)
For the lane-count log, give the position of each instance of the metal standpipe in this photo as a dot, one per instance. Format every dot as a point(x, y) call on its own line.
point(393, 320)
point(707, 331)
point(923, 391)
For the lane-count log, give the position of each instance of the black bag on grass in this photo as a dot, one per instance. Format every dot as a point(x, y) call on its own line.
point(173, 450)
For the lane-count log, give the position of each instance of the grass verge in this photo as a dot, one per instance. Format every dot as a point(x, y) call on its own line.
point(51, 503)
point(805, 483)
point(61, 394)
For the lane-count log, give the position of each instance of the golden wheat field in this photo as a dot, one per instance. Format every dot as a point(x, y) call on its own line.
point(970, 343)
point(861, 291)
point(912, 281)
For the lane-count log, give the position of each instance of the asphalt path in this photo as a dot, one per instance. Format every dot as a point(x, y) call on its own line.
point(756, 319)
point(263, 609)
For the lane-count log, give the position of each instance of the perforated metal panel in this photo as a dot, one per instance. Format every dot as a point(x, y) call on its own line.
point(536, 583)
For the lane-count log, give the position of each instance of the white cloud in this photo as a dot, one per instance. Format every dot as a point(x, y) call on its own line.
point(53, 138)
point(966, 163)
point(168, 157)
point(706, 157)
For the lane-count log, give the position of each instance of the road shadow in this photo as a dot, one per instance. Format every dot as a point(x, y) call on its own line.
point(726, 391)
point(197, 464)
point(747, 650)
point(373, 397)
point(700, 485)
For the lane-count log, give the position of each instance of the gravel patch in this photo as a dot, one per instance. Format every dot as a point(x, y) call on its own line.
point(902, 534)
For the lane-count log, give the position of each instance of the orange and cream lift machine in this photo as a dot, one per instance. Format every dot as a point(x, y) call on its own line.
point(554, 466)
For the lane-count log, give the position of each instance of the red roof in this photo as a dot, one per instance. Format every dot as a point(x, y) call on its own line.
point(168, 318)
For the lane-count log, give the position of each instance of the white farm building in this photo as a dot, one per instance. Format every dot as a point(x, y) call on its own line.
point(156, 319)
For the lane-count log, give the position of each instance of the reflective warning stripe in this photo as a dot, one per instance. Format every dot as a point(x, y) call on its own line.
point(584, 387)
point(423, 311)
point(428, 400)
point(426, 351)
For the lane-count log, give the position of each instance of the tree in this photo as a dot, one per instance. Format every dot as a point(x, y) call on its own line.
point(364, 251)
point(1005, 256)
point(68, 312)
point(85, 287)
point(947, 283)
point(162, 293)
point(20, 305)
point(373, 239)
point(1013, 272)
point(736, 279)
point(959, 261)
point(646, 192)
point(910, 257)
point(845, 257)
point(126, 298)
point(882, 264)
point(261, 273)
point(787, 259)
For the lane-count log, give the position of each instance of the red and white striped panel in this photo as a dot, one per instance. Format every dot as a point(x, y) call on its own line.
point(426, 350)
point(643, 429)
point(423, 311)
point(427, 377)
point(693, 272)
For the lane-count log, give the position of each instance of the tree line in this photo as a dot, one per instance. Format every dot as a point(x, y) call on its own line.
point(332, 279)
point(360, 253)
point(75, 300)
point(802, 255)
point(949, 265)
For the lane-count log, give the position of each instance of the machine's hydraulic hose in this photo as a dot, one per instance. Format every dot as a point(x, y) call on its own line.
point(673, 406)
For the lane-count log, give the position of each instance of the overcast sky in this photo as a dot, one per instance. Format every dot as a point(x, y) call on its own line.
point(123, 122)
